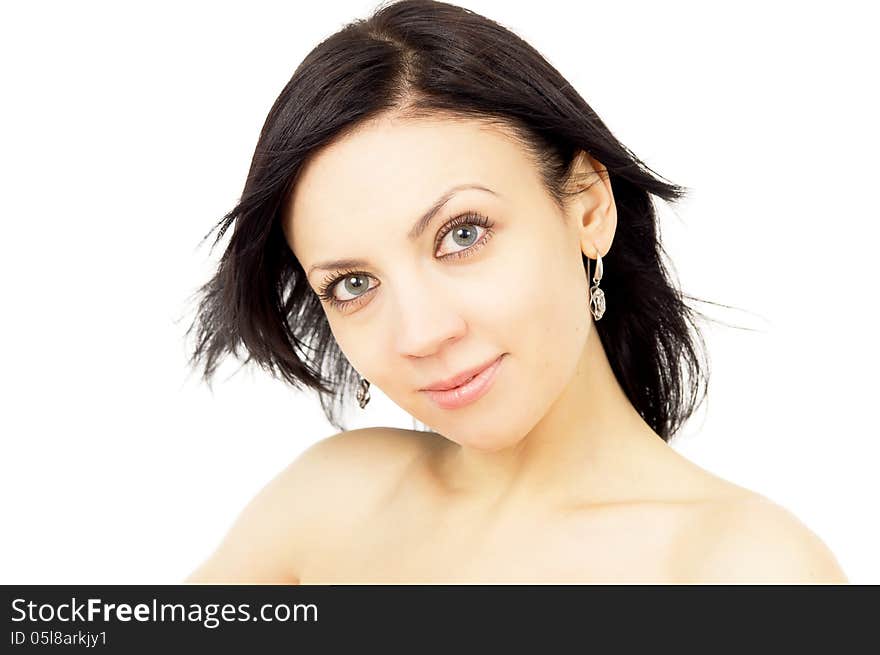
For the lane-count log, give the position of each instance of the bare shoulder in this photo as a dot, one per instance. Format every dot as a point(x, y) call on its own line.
point(332, 484)
point(752, 540)
point(355, 469)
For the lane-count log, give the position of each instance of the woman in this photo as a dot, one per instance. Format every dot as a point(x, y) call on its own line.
point(431, 204)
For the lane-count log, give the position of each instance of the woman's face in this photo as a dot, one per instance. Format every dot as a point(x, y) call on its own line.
point(417, 309)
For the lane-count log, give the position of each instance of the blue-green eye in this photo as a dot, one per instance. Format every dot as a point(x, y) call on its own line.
point(464, 233)
point(355, 284)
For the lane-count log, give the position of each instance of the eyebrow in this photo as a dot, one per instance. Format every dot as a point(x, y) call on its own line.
point(415, 232)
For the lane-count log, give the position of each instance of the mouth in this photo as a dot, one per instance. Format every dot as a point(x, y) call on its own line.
point(461, 379)
point(472, 388)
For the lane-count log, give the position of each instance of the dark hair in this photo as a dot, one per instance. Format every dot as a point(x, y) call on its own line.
point(423, 58)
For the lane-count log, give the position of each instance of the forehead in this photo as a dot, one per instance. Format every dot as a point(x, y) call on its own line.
point(386, 174)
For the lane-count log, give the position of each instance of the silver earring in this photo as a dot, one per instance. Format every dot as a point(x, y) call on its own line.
point(597, 296)
point(363, 394)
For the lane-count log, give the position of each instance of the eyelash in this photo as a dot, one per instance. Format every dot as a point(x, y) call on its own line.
point(468, 218)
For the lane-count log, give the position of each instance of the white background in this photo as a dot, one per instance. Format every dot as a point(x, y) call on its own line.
point(127, 131)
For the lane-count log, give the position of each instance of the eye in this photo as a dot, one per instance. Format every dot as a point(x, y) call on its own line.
point(463, 235)
point(463, 232)
point(353, 282)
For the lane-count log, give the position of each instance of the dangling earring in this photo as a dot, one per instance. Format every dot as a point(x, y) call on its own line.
point(363, 394)
point(597, 296)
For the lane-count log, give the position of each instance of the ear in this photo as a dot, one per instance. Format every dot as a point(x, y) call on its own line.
point(595, 214)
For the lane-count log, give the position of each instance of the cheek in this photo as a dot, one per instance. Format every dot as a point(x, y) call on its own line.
point(547, 318)
point(354, 344)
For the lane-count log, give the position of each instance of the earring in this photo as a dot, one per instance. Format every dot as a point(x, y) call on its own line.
point(597, 296)
point(363, 394)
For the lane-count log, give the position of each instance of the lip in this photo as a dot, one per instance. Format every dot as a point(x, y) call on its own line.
point(468, 392)
point(457, 380)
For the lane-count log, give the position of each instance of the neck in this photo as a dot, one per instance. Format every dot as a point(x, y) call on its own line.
point(591, 446)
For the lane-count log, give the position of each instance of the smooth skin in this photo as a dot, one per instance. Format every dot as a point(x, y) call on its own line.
point(552, 476)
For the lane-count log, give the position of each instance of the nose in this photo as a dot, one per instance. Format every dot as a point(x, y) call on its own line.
point(425, 321)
